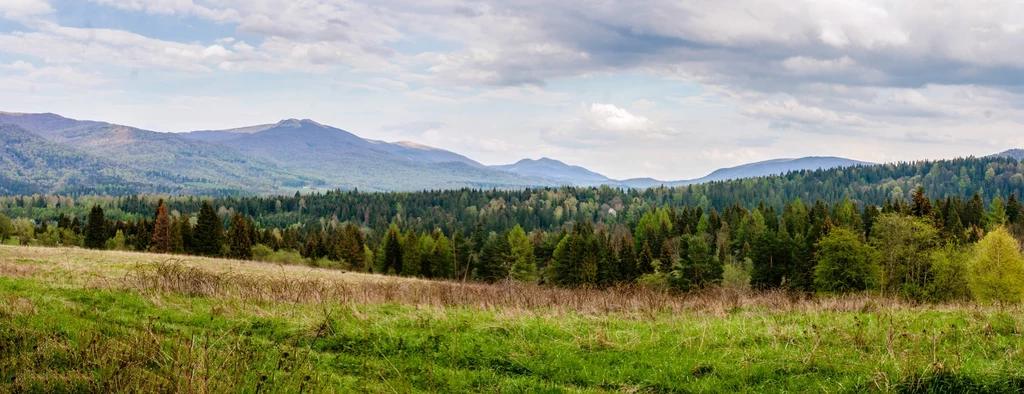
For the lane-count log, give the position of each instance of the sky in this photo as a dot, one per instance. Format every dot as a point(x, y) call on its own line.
point(650, 88)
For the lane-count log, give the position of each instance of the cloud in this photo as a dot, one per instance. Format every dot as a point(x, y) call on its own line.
point(20, 9)
point(604, 123)
point(174, 7)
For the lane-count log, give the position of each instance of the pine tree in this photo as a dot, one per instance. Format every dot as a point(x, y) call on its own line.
point(208, 235)
point(96, 229)
point(162, 240)
point(239, 238)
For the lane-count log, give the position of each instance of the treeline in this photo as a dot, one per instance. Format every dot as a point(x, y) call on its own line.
point(549, 209)
point(923, 249)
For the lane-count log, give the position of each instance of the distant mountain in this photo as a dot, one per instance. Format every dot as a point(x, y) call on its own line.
point(779, 166)
point(48, 153)
point(752, 170)
point(1017, 154)
point(30, 164)
point(344, 160)
point(195, 166)
point(554, 169)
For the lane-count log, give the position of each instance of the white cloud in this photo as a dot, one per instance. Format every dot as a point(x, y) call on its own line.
point(20, 9)
point(175, 7)
point(603, 123)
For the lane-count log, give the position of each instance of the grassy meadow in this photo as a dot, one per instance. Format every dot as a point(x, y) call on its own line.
point(74, 320)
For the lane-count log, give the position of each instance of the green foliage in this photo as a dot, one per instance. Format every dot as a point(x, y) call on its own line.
point(524, 263)
point(845, 264)
point(737, 273)
point(949, 272)
point(493, 263)
point(96, 229)
point(996, 272)
point(208, 235)
point(239, 239)
point(411, 254)
point(389, 255)
point(699, 266)
point(6, 228)
point(574, 262)
point(118, 242)
point(905, 246)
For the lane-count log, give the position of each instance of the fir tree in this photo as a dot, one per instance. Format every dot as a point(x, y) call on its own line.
point(208, 236)
point(492, 265)
point(96, 229)
point(390, 254)
point(411, 255)
point(239, 238)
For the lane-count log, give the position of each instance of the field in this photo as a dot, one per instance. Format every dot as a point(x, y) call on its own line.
point(73, 320)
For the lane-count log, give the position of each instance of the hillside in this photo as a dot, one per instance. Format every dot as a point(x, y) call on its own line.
point(30, 164)
point(347, 161)
point(194, 165)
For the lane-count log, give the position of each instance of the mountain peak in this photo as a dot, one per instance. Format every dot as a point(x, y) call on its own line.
point(297, 123)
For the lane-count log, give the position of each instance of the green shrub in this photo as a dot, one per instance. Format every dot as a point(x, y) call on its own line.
point(996, 273)
point(845, 264)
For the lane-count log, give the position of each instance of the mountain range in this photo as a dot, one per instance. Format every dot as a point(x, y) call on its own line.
point(48, 153)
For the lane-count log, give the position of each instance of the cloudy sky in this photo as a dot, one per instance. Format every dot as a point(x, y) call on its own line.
point(663, 88)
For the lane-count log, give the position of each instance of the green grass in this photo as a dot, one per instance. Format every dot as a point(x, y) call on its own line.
point(58, 334)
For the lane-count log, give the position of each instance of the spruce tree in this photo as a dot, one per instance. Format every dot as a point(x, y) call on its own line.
point(162, 241)
point(350, 247)
point(411, 264)
point(390, 254)
point(492, 265)
point(96, 229)
point(208, 236)
point(239, 238)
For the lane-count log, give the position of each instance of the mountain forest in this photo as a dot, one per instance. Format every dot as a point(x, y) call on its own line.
point(906, 229)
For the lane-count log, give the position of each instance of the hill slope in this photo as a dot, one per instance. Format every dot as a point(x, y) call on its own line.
point(345, 160)
point(30, 164)
point(195, 165)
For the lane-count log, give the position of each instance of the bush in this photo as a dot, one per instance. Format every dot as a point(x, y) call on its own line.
point(845, 264)
point(654, 281)
point(949, 275)
point(996, 273)
point(737, 273)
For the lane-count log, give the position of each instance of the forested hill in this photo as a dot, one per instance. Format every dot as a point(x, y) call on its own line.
point(550, 208)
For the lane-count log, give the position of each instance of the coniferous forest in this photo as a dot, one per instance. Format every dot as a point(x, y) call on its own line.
point(908, 229)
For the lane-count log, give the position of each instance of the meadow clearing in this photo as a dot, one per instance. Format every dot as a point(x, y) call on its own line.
point(76, 320)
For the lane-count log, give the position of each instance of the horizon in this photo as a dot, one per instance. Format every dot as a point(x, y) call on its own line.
point(675, 91)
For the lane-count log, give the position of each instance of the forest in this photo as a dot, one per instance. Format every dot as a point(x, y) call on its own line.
point(925, 231)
